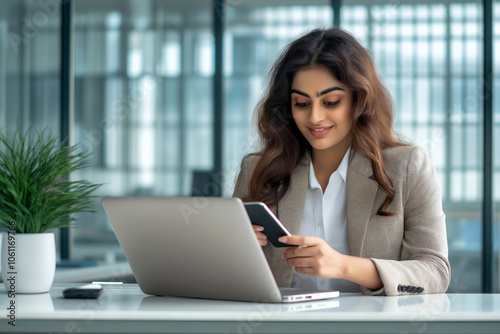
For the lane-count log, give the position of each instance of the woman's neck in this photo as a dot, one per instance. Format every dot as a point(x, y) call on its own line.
point(326, 162)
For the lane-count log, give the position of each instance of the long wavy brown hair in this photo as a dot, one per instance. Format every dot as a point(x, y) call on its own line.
point(283, 145)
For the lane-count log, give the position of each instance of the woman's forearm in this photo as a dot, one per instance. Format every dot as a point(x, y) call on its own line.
point(363, 272)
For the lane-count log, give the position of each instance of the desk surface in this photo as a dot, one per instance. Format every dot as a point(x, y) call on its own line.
point(125, 309)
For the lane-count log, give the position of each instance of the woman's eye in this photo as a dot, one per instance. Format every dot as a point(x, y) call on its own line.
point(332, 103)
point(301, 104)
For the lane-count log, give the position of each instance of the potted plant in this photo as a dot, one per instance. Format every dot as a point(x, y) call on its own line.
point(37, 195)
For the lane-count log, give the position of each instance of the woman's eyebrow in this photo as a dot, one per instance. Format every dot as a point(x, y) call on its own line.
point(326, 91)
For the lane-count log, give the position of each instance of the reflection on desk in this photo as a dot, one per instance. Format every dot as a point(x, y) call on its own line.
point(184, 305)
point(125, 309)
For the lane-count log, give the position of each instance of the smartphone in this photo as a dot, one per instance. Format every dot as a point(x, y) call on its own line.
point(89, 291)
point(260, 214)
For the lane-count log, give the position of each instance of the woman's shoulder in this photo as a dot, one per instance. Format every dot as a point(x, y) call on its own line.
point(247, 167)
point(403, 152)
point(402, 160)
point(249, 161)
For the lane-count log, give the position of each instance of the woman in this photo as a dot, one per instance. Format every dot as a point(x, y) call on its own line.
point(365, 207)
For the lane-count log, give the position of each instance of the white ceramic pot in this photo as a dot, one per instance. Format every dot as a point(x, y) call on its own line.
point(28, 262)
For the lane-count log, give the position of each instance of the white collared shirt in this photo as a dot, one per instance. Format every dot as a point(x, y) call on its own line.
point(325, 217)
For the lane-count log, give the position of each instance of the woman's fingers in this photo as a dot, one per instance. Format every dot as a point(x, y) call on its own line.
point(257, 228)
point(260, 236)
point(296, 252)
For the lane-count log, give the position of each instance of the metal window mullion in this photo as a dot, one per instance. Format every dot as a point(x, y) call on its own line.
point(487, 231)
point(336, 6)
point(66, 99)
point(218, 92)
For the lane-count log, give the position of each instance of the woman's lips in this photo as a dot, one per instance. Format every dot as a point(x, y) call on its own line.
point(320, 131)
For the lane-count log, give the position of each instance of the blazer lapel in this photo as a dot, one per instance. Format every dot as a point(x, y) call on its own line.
point(291, 207)
point(360, 197)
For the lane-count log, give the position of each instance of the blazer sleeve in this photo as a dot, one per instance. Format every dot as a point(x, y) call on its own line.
point(424, 266)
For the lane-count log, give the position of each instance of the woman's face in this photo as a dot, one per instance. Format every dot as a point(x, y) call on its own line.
point(321, 108)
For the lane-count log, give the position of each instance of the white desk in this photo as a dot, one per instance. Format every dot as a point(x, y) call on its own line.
point(125, 309)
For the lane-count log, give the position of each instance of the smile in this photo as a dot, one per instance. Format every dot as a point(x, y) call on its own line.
point(320, 132)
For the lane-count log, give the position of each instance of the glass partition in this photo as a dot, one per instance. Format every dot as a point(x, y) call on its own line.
point(143, 103)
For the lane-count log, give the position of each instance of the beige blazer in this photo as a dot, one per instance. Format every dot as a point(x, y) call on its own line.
point(409, 249)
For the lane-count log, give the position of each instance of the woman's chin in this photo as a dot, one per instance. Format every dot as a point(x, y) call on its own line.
point(323, 146)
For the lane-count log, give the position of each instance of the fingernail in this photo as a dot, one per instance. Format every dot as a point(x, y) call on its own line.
point(264, 237)
point(283, 239)
point(259, 228)
point(265, 242)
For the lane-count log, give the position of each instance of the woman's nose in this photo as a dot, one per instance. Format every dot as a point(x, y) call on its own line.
point(317, 113)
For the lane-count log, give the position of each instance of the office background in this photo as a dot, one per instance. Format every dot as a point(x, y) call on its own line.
point(166, 89)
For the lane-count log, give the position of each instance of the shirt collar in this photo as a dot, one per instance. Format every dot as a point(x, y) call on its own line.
point(344, 164)
point(342, 169)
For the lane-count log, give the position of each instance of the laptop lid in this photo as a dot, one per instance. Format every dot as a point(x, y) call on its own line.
point(202, 247)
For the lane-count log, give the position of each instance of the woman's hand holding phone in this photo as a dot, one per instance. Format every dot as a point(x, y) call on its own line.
point(261, 237)
point(262, 217)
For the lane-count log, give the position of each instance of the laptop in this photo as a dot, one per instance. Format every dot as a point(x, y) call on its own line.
point(199, 247)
